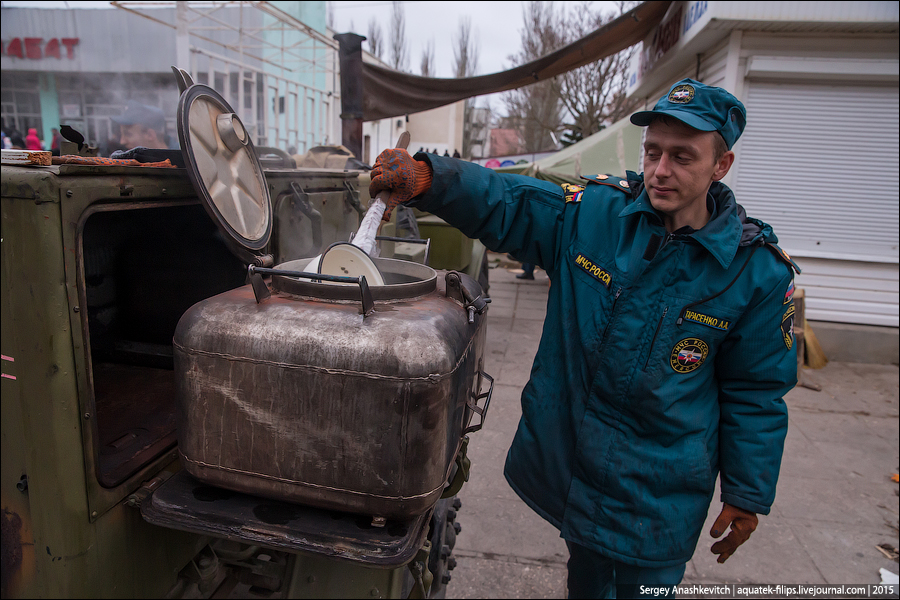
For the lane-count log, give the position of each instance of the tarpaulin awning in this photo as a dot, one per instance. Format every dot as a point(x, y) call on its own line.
point(390, 93)
point(612, 150)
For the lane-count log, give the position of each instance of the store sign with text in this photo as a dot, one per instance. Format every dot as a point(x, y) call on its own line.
point(35, 48)
point(677, 26)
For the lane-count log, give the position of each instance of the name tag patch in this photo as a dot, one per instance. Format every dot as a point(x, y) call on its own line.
point(709, 321)
point(595, 271)
point(688, 355)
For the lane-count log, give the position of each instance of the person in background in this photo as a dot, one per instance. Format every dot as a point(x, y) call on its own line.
point(527, 271)
point(32, 141)
point(666, 350)
point(16, 141)
point(55, 141)
point(142, 126)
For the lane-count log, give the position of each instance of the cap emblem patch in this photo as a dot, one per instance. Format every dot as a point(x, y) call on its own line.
point(688, 355)
point(681, 94)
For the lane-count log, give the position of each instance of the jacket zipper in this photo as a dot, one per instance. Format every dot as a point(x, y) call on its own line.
point(612, 312)
point(655, 333)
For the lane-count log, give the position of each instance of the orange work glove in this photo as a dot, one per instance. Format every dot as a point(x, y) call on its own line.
point(743, 523)
point(405, 177)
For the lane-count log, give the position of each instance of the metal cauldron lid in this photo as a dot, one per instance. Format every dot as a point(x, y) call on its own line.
point(224, 168)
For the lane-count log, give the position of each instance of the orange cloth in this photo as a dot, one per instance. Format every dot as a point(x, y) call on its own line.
point(71, 159)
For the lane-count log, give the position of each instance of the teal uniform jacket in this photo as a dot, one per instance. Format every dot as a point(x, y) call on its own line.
point(662, 363)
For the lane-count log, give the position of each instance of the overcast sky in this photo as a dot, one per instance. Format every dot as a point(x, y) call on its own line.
point(496, 26)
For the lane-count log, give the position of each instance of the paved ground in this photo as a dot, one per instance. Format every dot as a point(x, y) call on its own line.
point(835, 504)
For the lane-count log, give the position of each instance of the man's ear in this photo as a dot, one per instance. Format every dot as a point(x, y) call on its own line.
point(723, 165)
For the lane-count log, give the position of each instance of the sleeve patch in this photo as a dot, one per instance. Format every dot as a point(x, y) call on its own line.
point(789, 294)
point(787, 327)
point(573, 192)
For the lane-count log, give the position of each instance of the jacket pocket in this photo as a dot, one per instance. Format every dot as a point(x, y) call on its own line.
point(595, 289)
point(687, 340)
point(654, 504)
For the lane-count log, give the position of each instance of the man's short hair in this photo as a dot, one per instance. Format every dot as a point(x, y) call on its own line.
point(720, 147)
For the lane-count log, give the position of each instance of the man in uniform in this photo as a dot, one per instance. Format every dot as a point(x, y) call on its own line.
point(667, 345)
point(142, 126)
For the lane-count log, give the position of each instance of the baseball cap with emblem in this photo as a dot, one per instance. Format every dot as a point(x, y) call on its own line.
point(702, 107)
point(149, 116)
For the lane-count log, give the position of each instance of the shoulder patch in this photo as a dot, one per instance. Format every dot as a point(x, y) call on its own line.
point(789, 294)
point(783, 256)
point(614, 182)
point(573, 192)
point(787, 327)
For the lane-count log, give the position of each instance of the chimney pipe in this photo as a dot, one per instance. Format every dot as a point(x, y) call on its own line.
point(350, 54)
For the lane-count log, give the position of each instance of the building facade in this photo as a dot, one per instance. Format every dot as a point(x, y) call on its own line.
point(276, 65)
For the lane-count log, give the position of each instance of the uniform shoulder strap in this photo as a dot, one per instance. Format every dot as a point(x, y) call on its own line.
point(783, 256)
point(609, 180)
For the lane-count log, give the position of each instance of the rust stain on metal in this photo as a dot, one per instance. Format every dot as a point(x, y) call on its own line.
point(11, 549)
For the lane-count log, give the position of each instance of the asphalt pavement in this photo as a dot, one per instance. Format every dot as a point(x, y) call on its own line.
point(836, 502)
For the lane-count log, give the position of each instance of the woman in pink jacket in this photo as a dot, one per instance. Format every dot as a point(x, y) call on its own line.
point(32, 141)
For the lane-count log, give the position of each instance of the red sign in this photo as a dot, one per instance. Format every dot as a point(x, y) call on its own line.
point(35, 48)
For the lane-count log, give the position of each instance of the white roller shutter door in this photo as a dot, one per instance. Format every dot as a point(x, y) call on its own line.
point(820, 164)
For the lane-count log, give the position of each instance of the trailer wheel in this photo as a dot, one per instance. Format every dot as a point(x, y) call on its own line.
point(442, 535)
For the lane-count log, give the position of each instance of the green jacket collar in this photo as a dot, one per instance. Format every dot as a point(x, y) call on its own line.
point(721, 236)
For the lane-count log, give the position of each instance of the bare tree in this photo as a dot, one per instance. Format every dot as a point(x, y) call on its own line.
point(593, 95)
point(399, 52)
point(427, 64)
point(536, 110)
point(465, 59)
point(376, 45)
point(588, 98)
point(465, 50)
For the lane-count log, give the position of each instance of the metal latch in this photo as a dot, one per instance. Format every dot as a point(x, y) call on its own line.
point(352, 199)
point(460, 471)
point(147, 488)
point(304, 207)
point(419, 569)
point(459, 284)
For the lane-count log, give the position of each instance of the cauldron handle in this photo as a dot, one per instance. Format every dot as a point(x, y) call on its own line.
point(472, 402)
point(368, 304)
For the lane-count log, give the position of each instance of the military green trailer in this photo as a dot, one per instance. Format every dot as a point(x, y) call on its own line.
point(98, 265)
